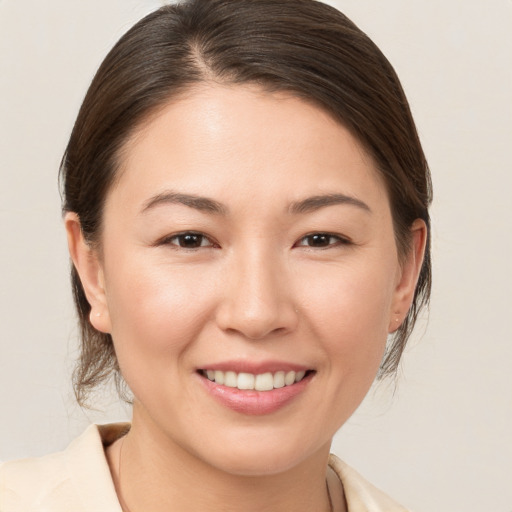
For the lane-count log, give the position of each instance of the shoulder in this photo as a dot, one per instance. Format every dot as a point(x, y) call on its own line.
point(77, 479)
point(361, 495)
point(28, 483)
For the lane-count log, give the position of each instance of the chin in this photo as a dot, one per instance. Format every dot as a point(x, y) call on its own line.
point(259, 458)
point(258, 464)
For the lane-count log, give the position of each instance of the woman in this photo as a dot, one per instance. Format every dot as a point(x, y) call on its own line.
point(246, 204)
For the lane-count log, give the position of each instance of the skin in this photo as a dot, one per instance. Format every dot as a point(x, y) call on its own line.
point(258, 288)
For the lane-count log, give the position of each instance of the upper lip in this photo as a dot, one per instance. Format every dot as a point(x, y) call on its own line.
point(253, 367)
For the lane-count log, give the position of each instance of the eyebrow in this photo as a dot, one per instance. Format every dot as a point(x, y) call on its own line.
point(200, 203)
point(314, 203)
point(208, 205)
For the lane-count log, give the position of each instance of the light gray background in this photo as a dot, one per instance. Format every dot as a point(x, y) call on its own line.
point(443, 442)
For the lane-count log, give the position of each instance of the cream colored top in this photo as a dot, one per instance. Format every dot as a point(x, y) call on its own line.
point(79, 480)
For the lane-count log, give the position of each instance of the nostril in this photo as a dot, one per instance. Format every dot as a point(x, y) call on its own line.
point(257, 320)
point(255, 333)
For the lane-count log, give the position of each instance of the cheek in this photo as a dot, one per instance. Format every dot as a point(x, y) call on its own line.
point(350, 305)
point(156, 312)
point(345, 314)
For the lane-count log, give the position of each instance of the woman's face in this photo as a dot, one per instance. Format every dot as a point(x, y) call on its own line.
point(249, 234)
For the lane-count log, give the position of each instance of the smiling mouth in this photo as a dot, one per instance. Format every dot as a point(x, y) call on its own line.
point(257, 382)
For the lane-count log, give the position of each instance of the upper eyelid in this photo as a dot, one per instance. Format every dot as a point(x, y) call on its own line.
point(340, 237)
point(167, 238)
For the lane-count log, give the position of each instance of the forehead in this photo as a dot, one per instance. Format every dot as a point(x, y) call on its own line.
point(219, 138)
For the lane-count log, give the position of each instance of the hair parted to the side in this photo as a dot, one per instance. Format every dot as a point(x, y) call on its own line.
point(300, 46)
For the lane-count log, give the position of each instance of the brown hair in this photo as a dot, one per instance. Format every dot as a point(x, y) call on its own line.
point(301, 46)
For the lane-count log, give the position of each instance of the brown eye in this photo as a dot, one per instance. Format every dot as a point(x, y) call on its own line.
point(189, 240)
point(320, 241)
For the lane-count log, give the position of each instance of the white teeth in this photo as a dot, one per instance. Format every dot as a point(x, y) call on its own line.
point(230, 379)
point(289, 378)
point(279, 379)
point(261, 382)
point(245, 381)
point(299, 376)
point(264, 382)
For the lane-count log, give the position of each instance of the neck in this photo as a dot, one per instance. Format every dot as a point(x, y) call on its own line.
point(153, 473)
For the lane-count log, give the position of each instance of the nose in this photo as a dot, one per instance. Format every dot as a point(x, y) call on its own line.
point(258, 298)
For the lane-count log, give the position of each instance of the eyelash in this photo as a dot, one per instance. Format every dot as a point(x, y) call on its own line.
point(180, 238)
point(327, 240)
point(332, 240)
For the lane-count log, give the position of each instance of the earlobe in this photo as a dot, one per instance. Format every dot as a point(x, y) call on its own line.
point(410, 271)
point(89, 268)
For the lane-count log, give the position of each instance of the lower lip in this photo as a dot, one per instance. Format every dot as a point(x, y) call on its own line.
point(255, 402)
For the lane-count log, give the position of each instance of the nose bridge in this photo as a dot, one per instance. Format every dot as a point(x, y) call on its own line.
point(257, 300)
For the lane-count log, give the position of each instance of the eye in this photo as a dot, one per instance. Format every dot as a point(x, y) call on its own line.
point(321, 241)
point(188, 240)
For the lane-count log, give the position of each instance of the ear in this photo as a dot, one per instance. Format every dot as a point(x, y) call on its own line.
point(88, 265)
point(408, 275)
